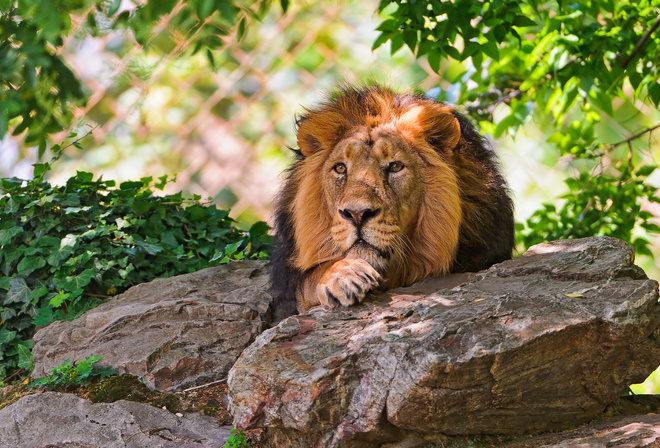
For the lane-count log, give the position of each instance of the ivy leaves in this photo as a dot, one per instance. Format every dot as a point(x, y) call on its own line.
point(64, 249)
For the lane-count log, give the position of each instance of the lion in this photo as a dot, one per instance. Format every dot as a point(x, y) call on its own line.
point(386, 189)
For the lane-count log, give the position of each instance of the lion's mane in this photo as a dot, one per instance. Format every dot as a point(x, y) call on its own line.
point(485, 226)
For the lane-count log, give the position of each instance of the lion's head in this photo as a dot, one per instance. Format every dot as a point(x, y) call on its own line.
point(383, 178)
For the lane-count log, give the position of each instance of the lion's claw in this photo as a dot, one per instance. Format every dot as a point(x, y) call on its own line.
point(347, 282)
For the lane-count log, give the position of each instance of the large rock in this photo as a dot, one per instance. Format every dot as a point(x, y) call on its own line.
point(53, 420)
point(174, 332)
point(541, 342)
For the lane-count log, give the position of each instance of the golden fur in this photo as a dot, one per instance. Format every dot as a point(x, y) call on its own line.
point(387, 190)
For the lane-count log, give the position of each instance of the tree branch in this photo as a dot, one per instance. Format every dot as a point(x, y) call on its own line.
point(641, 43)
point(477, 106)
point(213, 383)
point(630, 139)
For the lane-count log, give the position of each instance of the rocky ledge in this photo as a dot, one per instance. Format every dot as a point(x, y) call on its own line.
point(542, 342)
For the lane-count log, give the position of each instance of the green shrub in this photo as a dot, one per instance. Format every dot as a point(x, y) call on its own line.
point(66, 248)
point(69, 375)
point(236, 439)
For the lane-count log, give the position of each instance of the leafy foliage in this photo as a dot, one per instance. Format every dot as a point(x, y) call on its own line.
point(37, 89)
point(560, 61)
point(583, 211)
point(69, 375)
point(236, 440)
point(65, 248)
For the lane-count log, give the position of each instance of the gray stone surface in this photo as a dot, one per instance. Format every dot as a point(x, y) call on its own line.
point(641, 432)
point(542, 342)
point(54, 420)
point(638, 431)
point(175, 332)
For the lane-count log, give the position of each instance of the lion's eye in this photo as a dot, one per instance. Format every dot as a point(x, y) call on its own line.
point(395, 167)
point(339, 168)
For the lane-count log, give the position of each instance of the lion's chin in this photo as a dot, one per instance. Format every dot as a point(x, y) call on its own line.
point(377, 258)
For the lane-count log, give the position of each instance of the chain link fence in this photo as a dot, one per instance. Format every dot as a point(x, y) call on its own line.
point(222, 122)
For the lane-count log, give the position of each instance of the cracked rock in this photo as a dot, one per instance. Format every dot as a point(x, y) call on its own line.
point(54, 420)
point(175, 332)
point(538, 343)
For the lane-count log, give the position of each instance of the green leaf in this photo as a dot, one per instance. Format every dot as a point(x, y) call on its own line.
point(84, 176)
point(40, 169)
point(29, 264)
point(388, 25)
point(6, 336)
point(602, 101)
point(114, 7)
point(69, 241)
point(6, 235)
point(381, 39)
point(75, 282)
point(410, 38)
point(489, 47)
point(396, 42)
point(205, 8)
point(59, 299)
point(151, 249)
point(654, 93)
point(37, 293)
point(433, 58)
point(19, 291)
point(556, 137)
point(25, 360)
point(645, 170)
point(523, 21)
point(45, 315)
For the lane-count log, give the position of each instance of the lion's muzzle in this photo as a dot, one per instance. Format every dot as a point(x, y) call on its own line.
point(360, 216)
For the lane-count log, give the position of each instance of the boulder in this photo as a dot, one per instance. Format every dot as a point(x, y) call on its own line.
point(53, 420)
point(175, 332)
point(640, 430)
point(538, 343)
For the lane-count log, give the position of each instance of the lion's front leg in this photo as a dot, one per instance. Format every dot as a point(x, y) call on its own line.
point(344, 282)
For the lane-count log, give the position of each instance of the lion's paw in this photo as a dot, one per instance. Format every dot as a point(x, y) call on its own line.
point(347, 282)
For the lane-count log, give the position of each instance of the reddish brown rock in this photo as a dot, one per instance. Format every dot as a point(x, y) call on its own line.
point(175, 332)
point(541, 342)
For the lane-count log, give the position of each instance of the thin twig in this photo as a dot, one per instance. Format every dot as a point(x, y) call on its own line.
point(213, 383)
point(630, 139)
point(99, 296)
point(477, 107)
point(628, 166)
point(641, 42)
point(10, 377)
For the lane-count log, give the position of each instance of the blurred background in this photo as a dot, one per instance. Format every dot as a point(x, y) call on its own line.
point(224, 128)
point(222, 121)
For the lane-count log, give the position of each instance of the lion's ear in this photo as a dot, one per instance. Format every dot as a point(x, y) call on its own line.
point(320, 130)
point(434, 123)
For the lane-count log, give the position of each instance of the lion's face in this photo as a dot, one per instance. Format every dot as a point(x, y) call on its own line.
point(386, 189)
point(372, 188)
point(377, 184)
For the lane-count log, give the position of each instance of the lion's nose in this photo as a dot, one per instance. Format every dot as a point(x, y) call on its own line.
point(359, 217)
